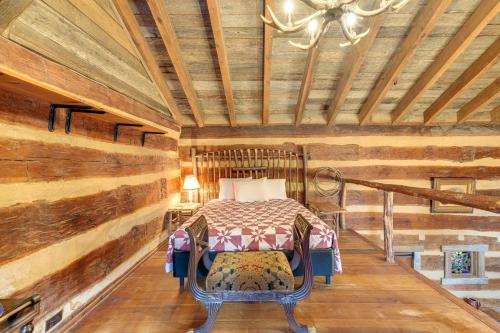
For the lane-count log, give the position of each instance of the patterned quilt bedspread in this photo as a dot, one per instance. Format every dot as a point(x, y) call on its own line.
point(254, 226)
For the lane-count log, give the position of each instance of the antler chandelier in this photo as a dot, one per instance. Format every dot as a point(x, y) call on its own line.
point(346, 12)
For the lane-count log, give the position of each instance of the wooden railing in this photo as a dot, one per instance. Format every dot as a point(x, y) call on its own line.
point(484, 202)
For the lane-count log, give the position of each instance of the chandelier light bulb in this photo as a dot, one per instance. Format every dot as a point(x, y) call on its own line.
point(288, 7)
point(351, 19)
point(312, 26)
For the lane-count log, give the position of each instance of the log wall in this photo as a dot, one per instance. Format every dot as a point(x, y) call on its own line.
point(77, 210)
point(404, 155)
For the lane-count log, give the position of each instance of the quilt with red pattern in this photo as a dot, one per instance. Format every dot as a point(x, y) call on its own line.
point(254, 226)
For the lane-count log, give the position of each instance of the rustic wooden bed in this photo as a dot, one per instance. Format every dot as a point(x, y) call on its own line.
point(256, 163)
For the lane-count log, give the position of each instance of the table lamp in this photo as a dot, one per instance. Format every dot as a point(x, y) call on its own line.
point(191, 184)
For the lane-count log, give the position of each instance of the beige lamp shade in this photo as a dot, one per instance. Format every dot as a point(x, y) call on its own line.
point(191, 183)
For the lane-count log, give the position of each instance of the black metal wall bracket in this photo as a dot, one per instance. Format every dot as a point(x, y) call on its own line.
point(53, 109)
point(117, 126)
point(143, 140)
point(69, 115)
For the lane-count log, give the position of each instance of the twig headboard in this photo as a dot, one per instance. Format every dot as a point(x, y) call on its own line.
point(256, 163)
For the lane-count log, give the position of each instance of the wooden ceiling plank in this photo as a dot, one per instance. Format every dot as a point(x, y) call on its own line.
point(359, 52)
point(495, 115)
point(32, 68)
point(464, 81)
point(108, 7)
point(268, 55)
point(72, 14)
point(482, 99)
point(476, 22)
point(305, 87)
point(423, 25)
point(107, 23)
point(10, 10)
point(132, 28)
point(47, 31)
point(161, 16)
point(220, 46)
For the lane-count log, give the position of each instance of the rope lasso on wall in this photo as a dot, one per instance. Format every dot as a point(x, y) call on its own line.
point(333, 183)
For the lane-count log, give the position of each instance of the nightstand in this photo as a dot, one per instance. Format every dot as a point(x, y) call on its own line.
point(180, 212)
point(329, 213)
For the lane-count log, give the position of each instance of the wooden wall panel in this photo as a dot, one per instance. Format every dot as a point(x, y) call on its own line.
point(414, 221)
point(315, 132)
point(77, 210)
point(35, 161)
point(46, 223)
point(60, 286)
point(352, 152)
point(34, 112)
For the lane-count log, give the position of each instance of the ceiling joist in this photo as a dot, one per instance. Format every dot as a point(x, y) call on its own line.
point(161, 17)
point(482, 99)
point(464, 81)
point(353, 65)
point(423, 25)
point(268, 55)
point(476, 22)
point(305, 87)
point(216, 23)
point(145, 55)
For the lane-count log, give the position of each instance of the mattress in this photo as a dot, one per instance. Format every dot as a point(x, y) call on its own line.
point(254, 226)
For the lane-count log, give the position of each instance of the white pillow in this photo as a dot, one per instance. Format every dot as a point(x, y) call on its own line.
point(226, 187)
point(251, 190)
point(276, 189)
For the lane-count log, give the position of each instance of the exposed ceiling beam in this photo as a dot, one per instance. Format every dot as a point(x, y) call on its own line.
point(464, 81)
point(351, 69)
point(305, 86)
point(220, 46)
point(10, 10)
point(482, 99)
point(146, 56)
point(422, 26)
point(161, 16)
point(268, 55)
point(30, 67)
point(476, 22)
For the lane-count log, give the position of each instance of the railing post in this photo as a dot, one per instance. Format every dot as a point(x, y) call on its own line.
point(388, 226)
point(343, 204)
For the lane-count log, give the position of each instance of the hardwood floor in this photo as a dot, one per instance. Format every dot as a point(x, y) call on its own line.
point(370, 296)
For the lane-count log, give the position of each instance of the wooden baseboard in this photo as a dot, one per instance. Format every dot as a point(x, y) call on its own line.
point(78, 315)
point(484, 318)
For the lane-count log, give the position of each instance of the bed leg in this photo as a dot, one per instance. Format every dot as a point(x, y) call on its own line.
point(181, 282)
point(328, 279)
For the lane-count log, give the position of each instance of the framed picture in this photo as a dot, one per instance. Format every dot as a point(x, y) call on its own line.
point(459, 185)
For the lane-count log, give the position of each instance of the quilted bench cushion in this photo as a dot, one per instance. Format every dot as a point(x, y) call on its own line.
point(250, 271)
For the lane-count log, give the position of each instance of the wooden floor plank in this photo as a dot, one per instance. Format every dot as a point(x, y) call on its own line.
point(370, 296)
